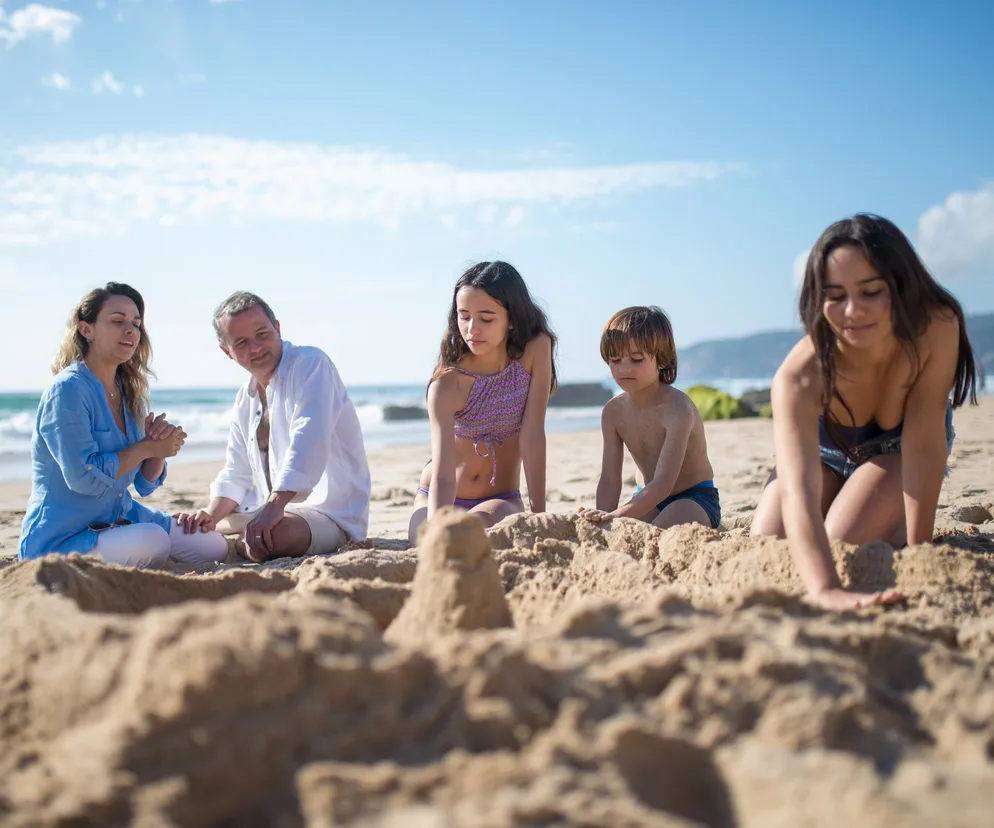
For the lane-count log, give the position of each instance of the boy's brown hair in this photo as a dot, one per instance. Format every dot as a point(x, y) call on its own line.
point(649, 330)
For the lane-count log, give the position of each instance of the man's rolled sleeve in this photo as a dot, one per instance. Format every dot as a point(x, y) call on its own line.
point(66, 428)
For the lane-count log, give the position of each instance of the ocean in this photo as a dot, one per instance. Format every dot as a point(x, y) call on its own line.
point(203, 413)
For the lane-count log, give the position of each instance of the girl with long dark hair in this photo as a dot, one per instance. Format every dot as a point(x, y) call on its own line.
point(862, 405)
point(487, 400)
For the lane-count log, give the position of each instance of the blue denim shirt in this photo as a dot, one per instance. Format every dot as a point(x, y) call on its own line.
point(74, 469)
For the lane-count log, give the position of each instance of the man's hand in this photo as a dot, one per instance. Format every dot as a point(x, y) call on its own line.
point(595, 515)
point(258, 532)
point(193, 522)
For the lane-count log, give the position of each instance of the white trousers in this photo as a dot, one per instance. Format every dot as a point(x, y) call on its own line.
point(148, 544)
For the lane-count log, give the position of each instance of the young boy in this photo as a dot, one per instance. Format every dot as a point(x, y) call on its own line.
point(659, 425)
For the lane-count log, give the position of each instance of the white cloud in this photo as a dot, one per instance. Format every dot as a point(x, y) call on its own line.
point(57, 81)
point(515, 216)
point(101, 4)
point(219, 2)
point(37, 20)
point(105, 185)
point(957, 236)
point(800, 262)
point(119, 17)
point(106, 83)
point(450, 220)
point(597, 226)
point(138, 90)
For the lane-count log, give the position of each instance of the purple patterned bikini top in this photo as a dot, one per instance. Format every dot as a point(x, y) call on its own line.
point(494, 409)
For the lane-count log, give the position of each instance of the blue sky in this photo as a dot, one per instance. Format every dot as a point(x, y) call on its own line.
point(349, 160)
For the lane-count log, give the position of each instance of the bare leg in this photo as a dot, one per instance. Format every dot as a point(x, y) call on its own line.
point(870, 506)
point(494, 511)
point(680, 512)
point(291, 539)
point(491, 512)
point(768, 519)
point(419, 516)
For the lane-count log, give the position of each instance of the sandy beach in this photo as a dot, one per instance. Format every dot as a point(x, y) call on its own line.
point(548, 672)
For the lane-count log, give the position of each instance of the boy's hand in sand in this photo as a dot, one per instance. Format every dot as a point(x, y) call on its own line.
point(839, 600)
point(595, 515)
point(192, 522)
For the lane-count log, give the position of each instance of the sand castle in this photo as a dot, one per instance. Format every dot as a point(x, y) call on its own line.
point(550, 671)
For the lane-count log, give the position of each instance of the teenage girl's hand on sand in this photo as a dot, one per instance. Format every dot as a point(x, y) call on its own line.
point(839, 600)
point(594, 515)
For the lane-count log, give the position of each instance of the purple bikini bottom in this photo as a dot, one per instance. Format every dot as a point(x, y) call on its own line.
point(467, 504)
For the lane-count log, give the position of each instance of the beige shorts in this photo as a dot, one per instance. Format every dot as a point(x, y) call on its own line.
point(326, 535)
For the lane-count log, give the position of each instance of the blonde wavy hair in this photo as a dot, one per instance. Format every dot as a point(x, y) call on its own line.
point(133, 374)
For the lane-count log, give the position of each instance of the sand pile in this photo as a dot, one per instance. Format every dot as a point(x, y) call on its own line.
point(456, 586)
point(550, 672)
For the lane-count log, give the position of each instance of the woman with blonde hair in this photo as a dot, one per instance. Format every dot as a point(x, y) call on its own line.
point(94, 438)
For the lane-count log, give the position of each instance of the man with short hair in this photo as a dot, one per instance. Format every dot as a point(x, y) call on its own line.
point(295, 480)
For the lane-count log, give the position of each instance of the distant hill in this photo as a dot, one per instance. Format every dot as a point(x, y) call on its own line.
point(759, 355)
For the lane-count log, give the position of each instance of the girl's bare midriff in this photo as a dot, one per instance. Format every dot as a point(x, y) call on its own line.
point(473, 472)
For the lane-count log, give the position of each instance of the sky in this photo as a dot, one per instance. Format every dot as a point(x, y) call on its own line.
point(347, 161)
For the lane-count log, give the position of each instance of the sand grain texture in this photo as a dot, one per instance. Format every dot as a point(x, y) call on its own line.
point(546, 672)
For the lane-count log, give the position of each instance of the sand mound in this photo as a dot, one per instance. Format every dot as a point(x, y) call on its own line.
point(548, 672)
point(98, 587)
point(457, 586)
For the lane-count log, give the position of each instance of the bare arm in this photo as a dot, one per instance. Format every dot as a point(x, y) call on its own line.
point(796, 407)
point(612, 463)
point(221, 507)
point(678, 427)
point(532, 441)
point(923, 439)
point(442, 401)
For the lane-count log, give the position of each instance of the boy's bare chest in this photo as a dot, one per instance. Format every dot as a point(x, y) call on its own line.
point(643, 435)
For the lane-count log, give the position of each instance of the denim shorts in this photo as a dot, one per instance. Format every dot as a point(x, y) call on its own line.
point(889, 443)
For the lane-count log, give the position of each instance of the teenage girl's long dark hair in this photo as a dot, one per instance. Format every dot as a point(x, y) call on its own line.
point(503, 284)
point(915, 297)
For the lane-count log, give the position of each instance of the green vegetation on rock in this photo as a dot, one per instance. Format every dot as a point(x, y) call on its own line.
point(716, 405)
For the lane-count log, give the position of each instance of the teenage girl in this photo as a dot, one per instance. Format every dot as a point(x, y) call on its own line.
point(862, 406)
point(487, 400)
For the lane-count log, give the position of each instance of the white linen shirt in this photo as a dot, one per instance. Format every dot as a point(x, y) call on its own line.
point(315, 443)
